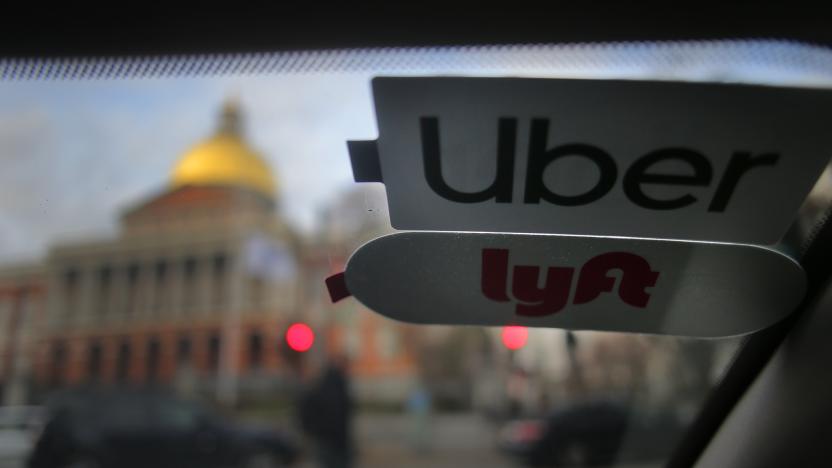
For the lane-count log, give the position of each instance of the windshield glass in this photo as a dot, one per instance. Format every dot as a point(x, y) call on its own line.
point(166, 228)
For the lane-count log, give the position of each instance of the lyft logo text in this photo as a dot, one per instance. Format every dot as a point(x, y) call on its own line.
point(595, 278)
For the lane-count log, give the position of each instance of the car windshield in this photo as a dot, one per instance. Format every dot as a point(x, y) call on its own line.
point(166, 229)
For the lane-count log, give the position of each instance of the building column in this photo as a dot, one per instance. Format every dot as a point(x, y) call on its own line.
point(203, 301)
point(227, 384)
point(117, 307)
point(54, 299)
point(84, 308)
point(174, 305)
point(147, 288)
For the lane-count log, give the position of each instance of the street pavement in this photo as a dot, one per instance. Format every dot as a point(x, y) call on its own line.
point(452, 441)
point(386, 440)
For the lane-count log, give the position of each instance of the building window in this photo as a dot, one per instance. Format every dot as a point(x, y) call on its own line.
point(154, 351)
point(183, 350)
point(214, 347)
point(18, 310)
point(132, 288)
point(70, 287)
point(105, 287)
point(57, 363)
point(219, 283)
point(6, 307)
point(255, 350)
point(190, 282)
point(123, 362)
point(160, 296)
point(31, 303)
point(256, 291)
point(94, 355)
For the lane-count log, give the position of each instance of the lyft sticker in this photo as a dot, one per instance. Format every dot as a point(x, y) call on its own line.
point(669, 287)
point(552, 297)
point(677, 160)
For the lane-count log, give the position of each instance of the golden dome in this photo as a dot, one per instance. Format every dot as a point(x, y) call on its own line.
point(225, 159)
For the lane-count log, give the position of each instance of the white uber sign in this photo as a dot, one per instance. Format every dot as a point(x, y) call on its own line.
point(680, 288)
point(626, 158)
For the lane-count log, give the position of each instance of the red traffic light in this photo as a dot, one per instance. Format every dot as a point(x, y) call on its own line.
point(300, 337)
point(515, 337)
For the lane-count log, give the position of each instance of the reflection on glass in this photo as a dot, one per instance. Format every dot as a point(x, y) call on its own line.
point(160, 236)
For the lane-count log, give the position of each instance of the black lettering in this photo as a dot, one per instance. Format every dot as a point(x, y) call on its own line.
point(637, 175)
point(540, 158)
point(740, 163)
point(500, 189)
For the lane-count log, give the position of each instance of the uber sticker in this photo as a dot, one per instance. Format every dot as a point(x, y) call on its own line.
point(680, 288)
point(627, 158)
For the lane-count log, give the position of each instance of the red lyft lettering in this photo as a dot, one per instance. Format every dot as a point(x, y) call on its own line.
point(534, 301)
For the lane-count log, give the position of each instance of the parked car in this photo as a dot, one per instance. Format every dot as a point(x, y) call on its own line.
point(594, 433)
point(129, 428)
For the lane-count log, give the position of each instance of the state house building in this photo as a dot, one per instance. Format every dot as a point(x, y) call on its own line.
point(195, 291)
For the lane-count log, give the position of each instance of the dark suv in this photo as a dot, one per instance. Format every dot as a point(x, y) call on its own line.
point(132, 428)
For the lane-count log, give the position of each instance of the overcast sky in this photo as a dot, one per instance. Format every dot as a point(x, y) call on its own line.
point(76, 153)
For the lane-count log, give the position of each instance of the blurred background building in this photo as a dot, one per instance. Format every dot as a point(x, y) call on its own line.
point(195, 292)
